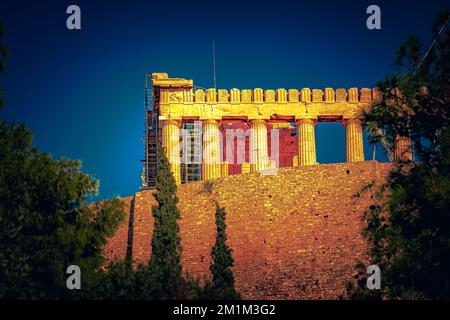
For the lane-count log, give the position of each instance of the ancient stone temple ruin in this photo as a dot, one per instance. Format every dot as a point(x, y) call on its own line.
point(213, 133)
point(294, 226)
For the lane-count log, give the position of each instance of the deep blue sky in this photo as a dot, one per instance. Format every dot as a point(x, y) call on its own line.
point(81, 92)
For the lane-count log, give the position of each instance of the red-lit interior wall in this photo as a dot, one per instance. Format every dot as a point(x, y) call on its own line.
point(287, 144)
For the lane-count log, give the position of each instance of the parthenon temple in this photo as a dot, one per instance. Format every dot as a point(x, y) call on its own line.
point(212, 133)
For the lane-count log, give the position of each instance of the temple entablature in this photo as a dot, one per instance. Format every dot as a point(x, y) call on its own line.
point(179, 100)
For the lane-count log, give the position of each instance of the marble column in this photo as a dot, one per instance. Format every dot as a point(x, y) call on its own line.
point(259, 153)
point(295, 161)
point(354, 149)
point(171, 144)
point(245, 167)
point(306, 142)
point(211, 150)
point(224, 169)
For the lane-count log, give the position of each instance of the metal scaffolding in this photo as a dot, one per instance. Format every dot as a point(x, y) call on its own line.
point(191, 152)
point(190, 141)
point(151, 136)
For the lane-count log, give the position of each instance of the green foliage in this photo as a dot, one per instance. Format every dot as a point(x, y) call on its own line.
point(116, 281)
point(359, 290)
point(222, 286)
point(166, 246)
point(119, 281)
point(409, 224)
point(46, 222)
point(161, 277)
point(46, 225)
point(419, 111)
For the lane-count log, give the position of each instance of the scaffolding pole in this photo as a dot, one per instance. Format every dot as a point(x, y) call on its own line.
point(151, 137)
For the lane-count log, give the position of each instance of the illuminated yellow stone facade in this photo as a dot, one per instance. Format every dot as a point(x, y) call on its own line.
point(211, 150)
point(259, 157)
point(306, 142)
point(295, 161)
point(224, 169)
point(171, 144)
point(245, 167)
point(354, 147)
point(178, 101)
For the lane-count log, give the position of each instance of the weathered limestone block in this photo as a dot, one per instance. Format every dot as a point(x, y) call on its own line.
point(188, 96)
point(376, 95)
point(246, 95)
point(281, 95)
point(366, 95)
point(223, 95)
point(199, 96)
point(258, 95)
point(306, 95)
point(293, 95)
point(317, 95)
point(329, 95)
point(211, 96)
point(235, 96)
point(269, 95)
point(353, 95)
point(341, 95)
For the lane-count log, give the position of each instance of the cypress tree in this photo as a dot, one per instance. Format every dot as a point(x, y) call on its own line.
point(166, 246)
point(161, 278)
point(222, 275)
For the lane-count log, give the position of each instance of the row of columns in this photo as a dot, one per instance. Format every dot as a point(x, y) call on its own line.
point(354, 147)
point(259, 159)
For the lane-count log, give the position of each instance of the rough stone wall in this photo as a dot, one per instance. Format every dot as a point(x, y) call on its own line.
point(116, 247)
point(295, 234)
point(142, 226)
